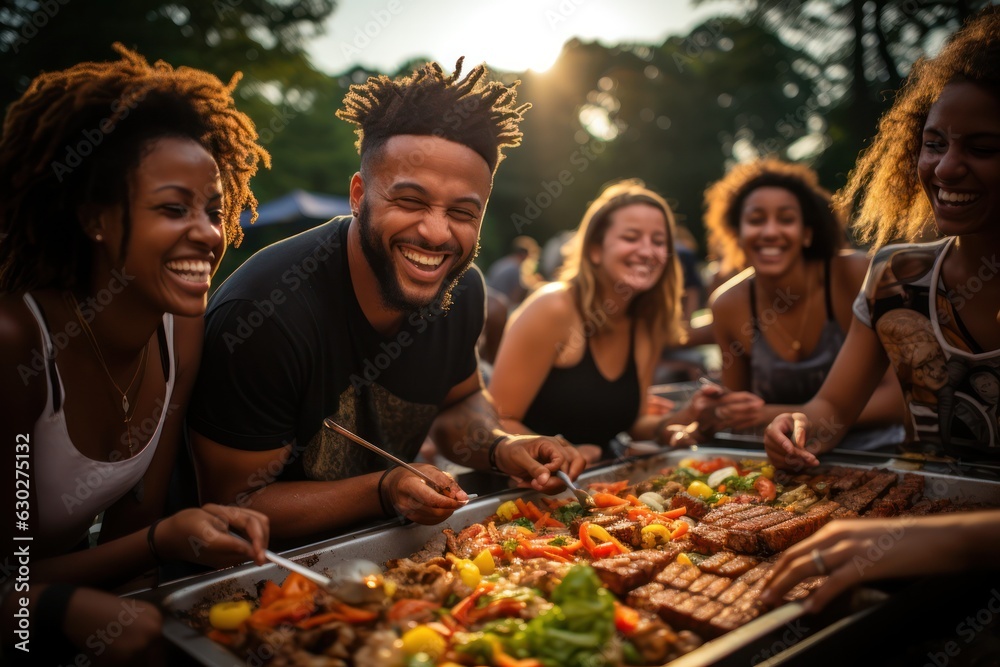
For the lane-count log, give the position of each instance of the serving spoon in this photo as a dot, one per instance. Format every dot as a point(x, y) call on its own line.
point(585, 499)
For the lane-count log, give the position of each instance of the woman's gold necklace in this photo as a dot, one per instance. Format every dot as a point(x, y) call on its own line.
point(127, 409)
point(795, 342)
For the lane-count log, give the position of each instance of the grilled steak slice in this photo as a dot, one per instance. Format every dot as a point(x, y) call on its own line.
point(642, 597)
point(850, 479)
point(628, 571)
point(733, 592)
point(736, 517)
point(843, 513)
point(927, 506)
point(862, 497)
point(780, 537)
point(678, 575)
point(626, 531)
point(726, 510)
point(603, 520)
point(707, 538)
point(900, 497)
point(737, 566)
point(696, 507)
point(824, 507)
point(709, 585)
point(804, 588)
point(715, 561)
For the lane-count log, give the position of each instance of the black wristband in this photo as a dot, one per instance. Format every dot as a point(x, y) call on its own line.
point(151, 539)
point(388, 511)
point(493, 452)
point(50, 610)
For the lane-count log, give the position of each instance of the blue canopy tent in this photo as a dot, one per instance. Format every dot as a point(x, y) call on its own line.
point(298, 207)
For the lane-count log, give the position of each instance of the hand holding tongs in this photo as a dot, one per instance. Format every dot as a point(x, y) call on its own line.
point(330, 424)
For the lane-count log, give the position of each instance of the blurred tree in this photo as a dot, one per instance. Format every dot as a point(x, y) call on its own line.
point(672, 115)
point(264, 37)
point(862, 49)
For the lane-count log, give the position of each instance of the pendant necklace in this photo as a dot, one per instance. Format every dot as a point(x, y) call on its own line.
point(127, 408)
point(795, 342)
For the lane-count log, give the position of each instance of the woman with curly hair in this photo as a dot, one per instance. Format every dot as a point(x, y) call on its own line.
point(578, 356)
point(781, 322)
point(122, 184)
point(930, 309)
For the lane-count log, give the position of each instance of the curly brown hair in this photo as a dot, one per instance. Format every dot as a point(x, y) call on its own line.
point(890, 200)
point(724, 204)
point(483, 116)
point(75, 135)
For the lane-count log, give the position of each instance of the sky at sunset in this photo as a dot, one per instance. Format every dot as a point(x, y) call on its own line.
point(511, 35)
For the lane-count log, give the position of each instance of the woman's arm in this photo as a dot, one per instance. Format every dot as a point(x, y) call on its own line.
point(528, 350)
point(824, 420)
point(847, 277)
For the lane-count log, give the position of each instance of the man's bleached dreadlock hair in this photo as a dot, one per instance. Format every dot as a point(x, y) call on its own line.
point(478, 114)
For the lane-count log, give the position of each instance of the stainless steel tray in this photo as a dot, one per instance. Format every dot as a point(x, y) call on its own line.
point(388, 541)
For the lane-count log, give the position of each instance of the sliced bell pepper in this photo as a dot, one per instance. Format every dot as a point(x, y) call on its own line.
point(608, 500)
point(409, 608)
point(680, 528)
point(296, 584)
point(461, 610)
point(285, 610)
point(341, 612)
point(626, 619)
point(270, 593)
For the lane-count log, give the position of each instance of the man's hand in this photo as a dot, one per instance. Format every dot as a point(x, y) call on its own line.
point(531, 459)
point(411, 497)
point(785, 442)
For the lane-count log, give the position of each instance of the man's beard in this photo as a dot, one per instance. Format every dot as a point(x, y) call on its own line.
point(382, 266)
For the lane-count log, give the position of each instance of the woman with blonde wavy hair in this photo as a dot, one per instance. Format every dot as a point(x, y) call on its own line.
point(578, 356)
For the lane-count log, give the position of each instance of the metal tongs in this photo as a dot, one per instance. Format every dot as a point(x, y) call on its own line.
point(585, 499)
point(354, 580)
point(354, 437)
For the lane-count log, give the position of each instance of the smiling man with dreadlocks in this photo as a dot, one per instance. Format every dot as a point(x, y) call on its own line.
point(371, 320)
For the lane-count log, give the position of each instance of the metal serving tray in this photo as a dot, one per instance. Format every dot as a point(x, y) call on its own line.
point(392, 540)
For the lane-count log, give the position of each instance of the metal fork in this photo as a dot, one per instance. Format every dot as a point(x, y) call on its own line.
point(585, 498)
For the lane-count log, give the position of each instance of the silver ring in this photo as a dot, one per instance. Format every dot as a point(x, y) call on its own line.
point(817, 557)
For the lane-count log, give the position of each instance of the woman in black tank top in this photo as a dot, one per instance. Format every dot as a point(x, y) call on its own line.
point(781, 322)
point(578, 355)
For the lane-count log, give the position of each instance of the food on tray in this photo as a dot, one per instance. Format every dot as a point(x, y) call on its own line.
point(652, 571)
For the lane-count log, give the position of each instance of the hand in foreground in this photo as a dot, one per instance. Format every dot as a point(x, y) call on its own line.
point(853, 551)
point(201, 535)
point(785, 442)
point(531, 459)
point(410, 496)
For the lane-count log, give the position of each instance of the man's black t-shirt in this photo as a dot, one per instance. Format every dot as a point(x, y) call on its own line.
point(287, 344)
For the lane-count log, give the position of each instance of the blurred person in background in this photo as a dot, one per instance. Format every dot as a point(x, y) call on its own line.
point(514, 274)
point(781, 322)
point(578, 356)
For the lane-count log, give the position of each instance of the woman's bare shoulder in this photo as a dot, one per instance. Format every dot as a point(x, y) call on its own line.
point(733, 293)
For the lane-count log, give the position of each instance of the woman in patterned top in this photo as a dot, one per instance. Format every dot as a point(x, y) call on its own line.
point(929, 309)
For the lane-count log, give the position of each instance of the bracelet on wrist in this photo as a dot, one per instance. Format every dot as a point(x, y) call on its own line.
point(151, 539)
point(493, 452)
point(387, 508)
